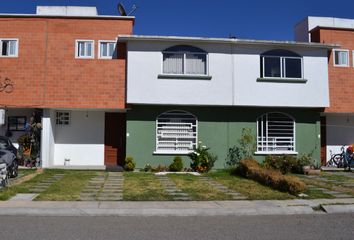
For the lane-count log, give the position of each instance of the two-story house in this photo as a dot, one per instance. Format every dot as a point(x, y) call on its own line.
point(183, 90)
point(337, 120)
point(62, 64)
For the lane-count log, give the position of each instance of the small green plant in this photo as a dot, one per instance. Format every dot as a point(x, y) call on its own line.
point(147, 168)
point(201, 159)
point(129, 164)
point(283, 163)
point(245, 148)
point(176, 165)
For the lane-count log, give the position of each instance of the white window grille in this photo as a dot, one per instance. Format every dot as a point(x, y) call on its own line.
point(275, 133)
point(176, 132)
point(62, 118)
point(186, 60)
point(9, 47)
point(341, 58)
point(84, 49)
point(106, 49)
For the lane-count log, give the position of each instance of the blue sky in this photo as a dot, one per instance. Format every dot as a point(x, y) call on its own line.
point(252, 19)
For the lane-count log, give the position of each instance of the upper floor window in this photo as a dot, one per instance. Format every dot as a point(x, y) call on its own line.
point(341, 58)
point(281, 64)
point(185, 60)
point(84, 49)
point(275, 133)
point(9, 47)
point(106, 49)
point(176, 132)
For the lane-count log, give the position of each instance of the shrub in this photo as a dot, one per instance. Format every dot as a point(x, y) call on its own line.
point(159, 168)
point(202, 160)
point(147, 168)
point(301, 161)
point(244, 149)
point(177, 165)
point(283, 163)
point(250, 168)
point(129, 164)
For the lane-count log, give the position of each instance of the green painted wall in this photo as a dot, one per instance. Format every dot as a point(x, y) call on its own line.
point(218, 128)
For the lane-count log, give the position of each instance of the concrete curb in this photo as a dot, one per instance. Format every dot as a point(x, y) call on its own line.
point(176, 208)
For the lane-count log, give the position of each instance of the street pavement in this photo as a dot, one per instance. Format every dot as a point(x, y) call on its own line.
point(311, 226)
point(176, 208)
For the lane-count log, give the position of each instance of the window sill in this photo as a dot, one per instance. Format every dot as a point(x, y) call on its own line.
point(276, 153)
point(282, 80)
point(184, 76)
point(172, 153)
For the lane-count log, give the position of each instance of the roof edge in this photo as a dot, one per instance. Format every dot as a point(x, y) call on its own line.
point(11, 15)
point(126, 38)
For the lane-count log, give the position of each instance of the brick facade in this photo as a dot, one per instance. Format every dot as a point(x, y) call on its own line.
point(341, 79)
point(46, 73)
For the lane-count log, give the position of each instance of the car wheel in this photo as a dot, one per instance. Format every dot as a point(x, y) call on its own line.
point(14, 170)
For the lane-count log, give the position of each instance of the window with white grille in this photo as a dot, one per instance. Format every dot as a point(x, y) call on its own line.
point(62, 118)
point(341, 57)
point(184, 60)
point(84, 49)
point(275, 133)
point(106, 49)
point(176, 132)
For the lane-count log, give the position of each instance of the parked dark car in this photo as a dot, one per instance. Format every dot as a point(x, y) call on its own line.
point(6, 148)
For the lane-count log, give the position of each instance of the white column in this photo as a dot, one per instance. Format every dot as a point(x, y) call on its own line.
point(47, 141)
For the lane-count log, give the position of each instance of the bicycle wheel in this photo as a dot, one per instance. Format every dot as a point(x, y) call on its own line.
point(338, 160)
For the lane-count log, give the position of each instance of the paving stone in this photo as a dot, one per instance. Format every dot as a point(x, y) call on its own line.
point(343, 195)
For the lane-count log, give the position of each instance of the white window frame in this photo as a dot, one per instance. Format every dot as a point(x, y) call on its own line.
point(184, 63)
point(16, 49)
point(61, 124)
point(334, 57)
point(193, 135)
point(353, 57)
point(99, 48)
point(77, 49)
point(269, 145)
point(282, 64)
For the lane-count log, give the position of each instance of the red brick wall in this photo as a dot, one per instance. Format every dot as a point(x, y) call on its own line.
point(341, 79)
point(46, 73)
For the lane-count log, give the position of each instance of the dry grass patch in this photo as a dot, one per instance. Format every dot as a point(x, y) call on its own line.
point(198, 190)
point(143, 187)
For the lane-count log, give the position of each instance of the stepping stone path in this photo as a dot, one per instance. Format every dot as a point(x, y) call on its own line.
point(101, 188)
point(113, 187)
point(235, 195)
point(334, 194)
point(90, 192)
point(46, 183)
point(172, 190)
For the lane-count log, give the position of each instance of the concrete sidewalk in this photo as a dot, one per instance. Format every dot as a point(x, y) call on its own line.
point(176, 208)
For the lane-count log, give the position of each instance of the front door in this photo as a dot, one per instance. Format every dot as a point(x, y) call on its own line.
point(114, 139)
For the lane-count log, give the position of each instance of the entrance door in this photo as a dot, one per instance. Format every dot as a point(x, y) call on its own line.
point(114, 139)
point(323, 141)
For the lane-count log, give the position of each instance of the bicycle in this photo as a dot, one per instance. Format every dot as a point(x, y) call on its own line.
point(341, 160)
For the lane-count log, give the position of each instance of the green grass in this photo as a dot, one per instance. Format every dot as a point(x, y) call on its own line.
point(251, 189)
point(339, 178)
point(197, 189)
point(143, 187)
point(67, 188)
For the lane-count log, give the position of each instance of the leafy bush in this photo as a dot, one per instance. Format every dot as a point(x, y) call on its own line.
point(147, 168)
point(177, 165)
point(250, 168)
point(129, 164)
point(283, 163)
point(159, 168)
point(202, 160)
point(244, 149)
point(288, 163)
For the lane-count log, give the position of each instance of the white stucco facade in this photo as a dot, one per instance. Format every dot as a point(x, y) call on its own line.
point(81, 143)
point(232, 79)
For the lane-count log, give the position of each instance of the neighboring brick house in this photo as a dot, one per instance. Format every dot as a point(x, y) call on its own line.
point(64, 64)
point(338, 119)
point(208, 89)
